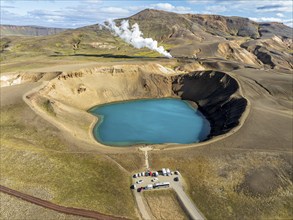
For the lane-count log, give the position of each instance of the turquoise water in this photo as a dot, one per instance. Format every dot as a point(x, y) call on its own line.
point(149, 121)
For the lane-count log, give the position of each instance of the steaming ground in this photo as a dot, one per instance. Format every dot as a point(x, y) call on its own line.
point(134, 37)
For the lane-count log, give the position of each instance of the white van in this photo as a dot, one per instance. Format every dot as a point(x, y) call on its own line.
point(168, 172)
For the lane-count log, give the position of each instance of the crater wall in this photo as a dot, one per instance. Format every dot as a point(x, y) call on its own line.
point(70, 95)
point(217, 96)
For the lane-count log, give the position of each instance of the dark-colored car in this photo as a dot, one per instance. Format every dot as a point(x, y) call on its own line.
point(176, 179)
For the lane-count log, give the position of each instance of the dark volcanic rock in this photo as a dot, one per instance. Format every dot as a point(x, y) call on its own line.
point(224, 26)
point(217, 96)
point(268, 30)
point(271, 52)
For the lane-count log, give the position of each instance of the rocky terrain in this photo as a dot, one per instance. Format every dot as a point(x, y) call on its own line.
point(232, 38)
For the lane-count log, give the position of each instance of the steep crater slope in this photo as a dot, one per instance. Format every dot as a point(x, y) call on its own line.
point(217, 96)
point(65, 100)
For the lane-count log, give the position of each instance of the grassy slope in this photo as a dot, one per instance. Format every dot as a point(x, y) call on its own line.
point(132, 162)
point(14, 208)
point(164, 204)
point(39, 163)
point(217, 182)
point(35, 52)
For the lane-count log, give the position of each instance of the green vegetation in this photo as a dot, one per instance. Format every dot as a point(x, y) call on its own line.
point(82, 45)
point(164, 204)
point(218, 182)
point(47, 106)
point(132, 162)
point(147, 54)
point(75, 42)
point(34, 160)
point(18, 132)
point(4, 43)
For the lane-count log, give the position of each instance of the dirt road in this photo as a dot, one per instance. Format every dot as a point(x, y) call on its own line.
point(142, 207)
point(145, 150)
point(189, 206)
point(177, 186)
point(58, 208)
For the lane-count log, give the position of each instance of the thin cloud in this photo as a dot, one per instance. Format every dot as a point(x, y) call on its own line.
point(164, 6)
point(7, 6)
point(280, 15)
point(215, 9)
point(287, 22)
point(114, 10)
point(200, 1)
point(276, 8)
point(264, 6)
point(93, 1)
point(269, 7)
point(172, 8)
point(266, 19)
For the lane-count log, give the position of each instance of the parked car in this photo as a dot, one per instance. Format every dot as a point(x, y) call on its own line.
point(139, 189)
point(156, 173)
point(176, 179)
point(155, 179)
point(150, 186)
point(139, 181)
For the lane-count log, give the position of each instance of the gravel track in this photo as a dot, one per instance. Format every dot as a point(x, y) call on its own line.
point(58, 208)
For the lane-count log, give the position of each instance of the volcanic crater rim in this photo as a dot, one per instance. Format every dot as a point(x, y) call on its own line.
point(217, 94)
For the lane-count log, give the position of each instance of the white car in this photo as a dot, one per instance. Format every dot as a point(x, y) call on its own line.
point(155, 179)
point(139, 181)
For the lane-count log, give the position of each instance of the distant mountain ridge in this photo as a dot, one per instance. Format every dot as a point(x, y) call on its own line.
point(14, 30)
point(219, 39)
point(216, 25)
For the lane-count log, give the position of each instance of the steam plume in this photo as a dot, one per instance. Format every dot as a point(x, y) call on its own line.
point(134, 37)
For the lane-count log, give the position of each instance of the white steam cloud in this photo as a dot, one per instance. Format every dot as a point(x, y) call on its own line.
point(134, 37)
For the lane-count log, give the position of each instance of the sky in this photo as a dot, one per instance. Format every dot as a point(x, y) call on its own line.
point(79, 13)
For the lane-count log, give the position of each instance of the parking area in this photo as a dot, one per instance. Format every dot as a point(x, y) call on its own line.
point(153, 180)
point(160, 179)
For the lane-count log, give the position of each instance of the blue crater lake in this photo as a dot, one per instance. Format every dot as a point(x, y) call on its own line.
point(149, 121)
